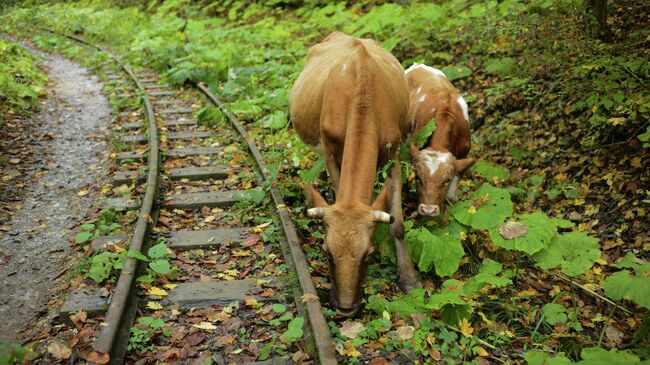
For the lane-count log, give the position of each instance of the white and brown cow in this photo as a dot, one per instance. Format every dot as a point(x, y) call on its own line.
point(350, 103)
point(443, 158)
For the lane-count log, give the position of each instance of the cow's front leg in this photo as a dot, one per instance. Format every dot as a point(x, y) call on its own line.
point(333, 167)
point(408, 276)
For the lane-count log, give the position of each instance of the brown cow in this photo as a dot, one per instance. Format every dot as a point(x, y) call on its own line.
point(443, 158)
point(350, 103)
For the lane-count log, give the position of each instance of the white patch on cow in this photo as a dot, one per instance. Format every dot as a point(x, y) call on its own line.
point(433, 159)
point(345, 67)
point(463, 105)
point(434, 71)
point(421, 99)
point(451, 193)
point(418, 90)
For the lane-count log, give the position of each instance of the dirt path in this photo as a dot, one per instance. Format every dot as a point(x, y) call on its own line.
point(73, 123)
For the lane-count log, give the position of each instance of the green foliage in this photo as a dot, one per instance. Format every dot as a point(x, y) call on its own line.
point(442, 249)
point(275, 120)
point(294, 331)
point(488, 275)
point(83, 237)
point(488, 208)
point(21, 82)
point(503, 67)
point(554, 313)
point(590, 356)
point(456, 72)
point(626, 285)
point(143, 333)
point(449, 300)
point(13, 353)
point(574, 252)
point(490, 172)
point(159, 261)
point(102, 265)
point(424, 134)
point(540, 230)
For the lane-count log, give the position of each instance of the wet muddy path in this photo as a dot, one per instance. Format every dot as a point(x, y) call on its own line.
point(36, 251)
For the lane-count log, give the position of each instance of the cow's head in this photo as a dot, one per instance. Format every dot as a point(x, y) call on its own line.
point(434, 171)
point(348, 244)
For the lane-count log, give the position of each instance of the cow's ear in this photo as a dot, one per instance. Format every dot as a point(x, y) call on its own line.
point(464, 164)
point(314, 199)
point(382, 199)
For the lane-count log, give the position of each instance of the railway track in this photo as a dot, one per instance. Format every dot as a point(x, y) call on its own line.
point(237, 268)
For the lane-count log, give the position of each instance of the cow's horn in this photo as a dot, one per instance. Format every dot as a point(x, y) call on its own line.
point(316, 212)
point(382, 217)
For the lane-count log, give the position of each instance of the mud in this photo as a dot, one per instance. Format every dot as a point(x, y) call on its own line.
point(36, 251)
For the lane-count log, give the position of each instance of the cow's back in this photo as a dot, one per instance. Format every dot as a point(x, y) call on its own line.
point(330, 80)
point(431, 95)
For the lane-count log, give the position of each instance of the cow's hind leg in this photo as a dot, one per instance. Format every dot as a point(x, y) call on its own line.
point(408, 276)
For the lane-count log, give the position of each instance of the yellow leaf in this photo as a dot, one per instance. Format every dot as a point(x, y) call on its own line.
point(118, 248)
point(471, 210)
point(480, 351)
point(156, 291)
point(251, 302)
point(83, 192)
point(204, 326)
point(241, 253)
point(309, 297)
point(153, 305)
point(485, 319)
point(351, 351)
point(170, 286)
point(465, 328)
point(264, 225)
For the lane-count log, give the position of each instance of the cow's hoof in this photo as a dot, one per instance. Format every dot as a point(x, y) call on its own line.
point(408, 282)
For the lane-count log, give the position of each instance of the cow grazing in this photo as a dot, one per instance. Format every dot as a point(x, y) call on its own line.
point(443, 158)
point(350, 103)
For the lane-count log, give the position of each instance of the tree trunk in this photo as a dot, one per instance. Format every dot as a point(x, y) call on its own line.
point(598, 9)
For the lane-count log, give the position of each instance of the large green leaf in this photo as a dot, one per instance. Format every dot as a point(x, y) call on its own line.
point(541, 230)
point(590, 356)
point(624, 284)
point(503, 66)
point(575, 252)
point(442, 251)
point(490, 172)
point(487, 208)
point(486, 276)
point(456, 72)
point(554, 313)
point(276, 120)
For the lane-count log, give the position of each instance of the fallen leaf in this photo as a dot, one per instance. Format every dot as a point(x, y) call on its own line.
point(309, 297)
point(83, 192)
point(379, 361)
point(351, 329)
point(5, 228)
point(480, 351)
point(156, 291)
point(405, 333)
point(14, 161)
point(205, 326)
point(614, 335)
point(251, 302)
point(512, 229)
point(351, 351)
point(195, 338)
point(154, 306)
point(98, 358)
point(465, 328)
point(79, 318)
point(59, 350)
point(170, 286)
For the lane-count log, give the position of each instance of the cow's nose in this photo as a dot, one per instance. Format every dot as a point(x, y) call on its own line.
point(347, 312)
point(429, 210)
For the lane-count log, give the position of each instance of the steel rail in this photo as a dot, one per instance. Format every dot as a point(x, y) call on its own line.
point(309, 297)
point(115, 319)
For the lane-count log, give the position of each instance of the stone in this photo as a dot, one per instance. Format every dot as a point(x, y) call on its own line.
point(88, 299)
point(199, 173)
point(188, 136)
point(206, 293)
point(189, 240)
point(178, 111)
point(198, 200)
point(193, 151)
point(135, 138)
point(99, 244)
point(121, 203)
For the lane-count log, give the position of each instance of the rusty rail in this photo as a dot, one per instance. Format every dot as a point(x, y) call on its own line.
point(308, 297)
point(120, 314)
